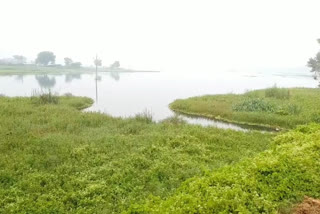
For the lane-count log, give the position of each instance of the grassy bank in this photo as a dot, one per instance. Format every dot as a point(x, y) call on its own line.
point(269, 183)
point(33, 69)
point(273, 107)
point(56, 159)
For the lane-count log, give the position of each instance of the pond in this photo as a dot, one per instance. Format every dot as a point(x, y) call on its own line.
point(126, 94)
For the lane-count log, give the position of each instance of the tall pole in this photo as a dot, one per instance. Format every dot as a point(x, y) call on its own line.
point(96, 62)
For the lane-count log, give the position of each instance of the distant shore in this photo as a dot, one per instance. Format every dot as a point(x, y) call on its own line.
point(34, 69)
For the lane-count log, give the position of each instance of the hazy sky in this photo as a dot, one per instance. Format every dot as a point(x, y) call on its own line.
point(168, 35)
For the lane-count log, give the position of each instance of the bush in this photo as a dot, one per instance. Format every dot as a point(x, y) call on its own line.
point(278, 93)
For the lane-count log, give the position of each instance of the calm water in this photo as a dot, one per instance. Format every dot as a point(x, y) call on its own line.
point(126, 94)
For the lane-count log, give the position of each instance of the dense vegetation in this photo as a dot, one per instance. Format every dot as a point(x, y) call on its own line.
point(273, 107)
point(268, 183)
point(56, 159)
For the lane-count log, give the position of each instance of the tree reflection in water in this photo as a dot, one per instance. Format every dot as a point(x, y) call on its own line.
point(45, 81)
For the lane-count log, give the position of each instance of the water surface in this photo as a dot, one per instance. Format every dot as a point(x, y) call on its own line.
point(126, 94)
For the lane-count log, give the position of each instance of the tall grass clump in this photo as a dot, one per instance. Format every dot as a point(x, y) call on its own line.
point(146, 116)
point(269, 183)
point(42, 98)
point(278, 93)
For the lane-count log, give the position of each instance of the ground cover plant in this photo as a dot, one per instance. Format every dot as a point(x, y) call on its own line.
point(273, 107)
point(56, 159)
point(271, 182)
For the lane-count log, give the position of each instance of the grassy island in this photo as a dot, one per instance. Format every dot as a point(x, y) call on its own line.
point(278, 108)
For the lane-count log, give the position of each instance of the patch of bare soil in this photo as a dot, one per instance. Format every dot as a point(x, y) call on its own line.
point(308, 206)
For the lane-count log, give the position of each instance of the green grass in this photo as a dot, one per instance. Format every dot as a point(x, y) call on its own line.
point(274, 107)
point(269, 183)
point(57, 159)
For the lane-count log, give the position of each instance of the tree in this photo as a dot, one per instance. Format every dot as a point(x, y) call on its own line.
point(19, 59)
point(314, 64)
point(45, 57)
point(76, 64)
point(68, 61)
point(116, 64)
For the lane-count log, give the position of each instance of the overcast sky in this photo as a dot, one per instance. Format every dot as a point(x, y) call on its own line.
point(169, 35)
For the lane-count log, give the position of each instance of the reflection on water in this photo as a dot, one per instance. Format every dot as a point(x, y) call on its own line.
point(70, 77)
point(45, 81)
point(115, 76)
point(19, 78)
point(214, 123)
point(126, 94)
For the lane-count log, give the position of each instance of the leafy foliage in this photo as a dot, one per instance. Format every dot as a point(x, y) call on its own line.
point(268, 183)
point(45, 57)
point(56, 159)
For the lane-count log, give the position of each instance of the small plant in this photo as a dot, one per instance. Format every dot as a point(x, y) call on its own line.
point(254, 105)
point(43, 98)
point(145, 116)
point(278, 93)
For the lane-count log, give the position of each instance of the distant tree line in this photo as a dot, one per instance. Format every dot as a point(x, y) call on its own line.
point(15, 60)
point(44, 58)
point(68, 62)
point(47, 57)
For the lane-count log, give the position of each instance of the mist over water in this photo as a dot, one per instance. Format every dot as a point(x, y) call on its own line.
point(199, 47)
